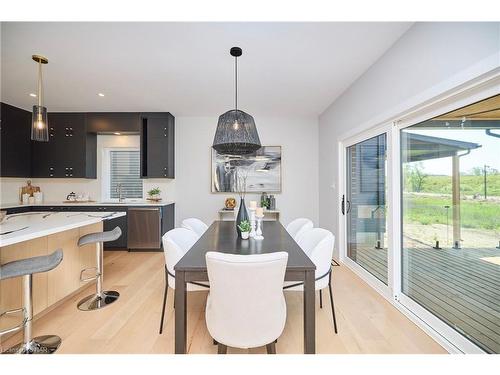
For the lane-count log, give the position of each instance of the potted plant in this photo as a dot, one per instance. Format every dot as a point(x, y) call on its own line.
point(245, 228)
point(154, 194)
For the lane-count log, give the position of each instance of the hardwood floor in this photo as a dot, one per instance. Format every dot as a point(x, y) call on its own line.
point(367, 323)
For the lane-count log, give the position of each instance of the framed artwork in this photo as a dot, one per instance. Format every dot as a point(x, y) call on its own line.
point(254, 173)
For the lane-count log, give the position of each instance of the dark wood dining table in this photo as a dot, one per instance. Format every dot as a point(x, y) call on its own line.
point(221, 236)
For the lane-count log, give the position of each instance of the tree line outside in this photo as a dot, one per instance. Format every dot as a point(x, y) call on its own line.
point(428, 198)
point(471, 182)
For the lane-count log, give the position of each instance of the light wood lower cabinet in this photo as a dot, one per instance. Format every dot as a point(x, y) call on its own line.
point(48, 287)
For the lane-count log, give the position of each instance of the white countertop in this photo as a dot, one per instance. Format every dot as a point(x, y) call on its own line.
point(31, 225)
point(141, 202)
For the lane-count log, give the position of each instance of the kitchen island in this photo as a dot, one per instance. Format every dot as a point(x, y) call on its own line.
point(164, 217)
point(33, 234)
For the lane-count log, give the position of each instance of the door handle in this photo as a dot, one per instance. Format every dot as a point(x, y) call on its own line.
point(345, 206)
point(143, 209)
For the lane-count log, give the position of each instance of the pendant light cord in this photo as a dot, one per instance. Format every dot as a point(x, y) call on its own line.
point(236, 82)
point(39, 83)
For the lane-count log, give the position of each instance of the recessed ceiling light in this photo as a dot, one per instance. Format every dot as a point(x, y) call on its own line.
point(33, 95)
point(101, 94)
point(116, 133)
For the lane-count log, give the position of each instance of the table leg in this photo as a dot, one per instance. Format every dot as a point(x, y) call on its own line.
point(309, 313)
point(180, 313)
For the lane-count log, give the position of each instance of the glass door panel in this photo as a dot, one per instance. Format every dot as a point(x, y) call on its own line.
point(365, 205)
point(450, 256)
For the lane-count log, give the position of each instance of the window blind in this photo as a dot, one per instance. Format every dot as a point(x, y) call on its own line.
point(125, 170)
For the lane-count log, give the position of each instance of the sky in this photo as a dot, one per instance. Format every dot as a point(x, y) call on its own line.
point(488, 154)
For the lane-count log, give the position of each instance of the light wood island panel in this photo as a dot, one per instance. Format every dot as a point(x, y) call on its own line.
point(49, 288)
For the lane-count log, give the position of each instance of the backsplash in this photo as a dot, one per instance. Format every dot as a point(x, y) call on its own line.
point(56, 190)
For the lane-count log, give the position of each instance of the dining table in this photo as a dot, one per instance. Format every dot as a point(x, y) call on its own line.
point(222, 237)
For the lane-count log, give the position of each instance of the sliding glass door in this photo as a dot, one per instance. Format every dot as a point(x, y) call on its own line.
point(450, 200)
point(436, 251)
point(365, 205)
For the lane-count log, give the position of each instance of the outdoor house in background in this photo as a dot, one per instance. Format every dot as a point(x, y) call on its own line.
point(418, 147)
point(366, 201)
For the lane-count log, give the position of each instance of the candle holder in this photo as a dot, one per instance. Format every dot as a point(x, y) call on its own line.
point(252, 222)
point(258, 232)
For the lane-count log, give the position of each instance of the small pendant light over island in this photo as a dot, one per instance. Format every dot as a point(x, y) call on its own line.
point(39, 123)
point(236, 133)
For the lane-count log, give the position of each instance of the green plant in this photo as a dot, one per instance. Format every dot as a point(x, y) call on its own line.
point(245, 226)
point(154, 191)
point(414, 176)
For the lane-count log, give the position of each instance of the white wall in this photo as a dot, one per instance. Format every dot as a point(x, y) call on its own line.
point(429, 55)
point(299, 140)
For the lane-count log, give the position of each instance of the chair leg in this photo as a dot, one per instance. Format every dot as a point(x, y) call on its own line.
point(271, 348)
point(221, 349)
point(320, 299)
point(331, 302)
point(46, 344)
point(164, 301)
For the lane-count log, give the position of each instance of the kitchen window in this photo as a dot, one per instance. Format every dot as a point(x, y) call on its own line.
point(121, 169)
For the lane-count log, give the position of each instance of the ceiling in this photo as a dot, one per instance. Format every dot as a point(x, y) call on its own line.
point(185, 68)
point(487, 109)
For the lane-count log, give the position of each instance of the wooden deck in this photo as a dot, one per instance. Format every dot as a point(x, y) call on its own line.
point(458, 286)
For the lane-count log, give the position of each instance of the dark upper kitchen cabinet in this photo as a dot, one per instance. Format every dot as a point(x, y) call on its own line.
point(15, 135)
point(157, 145)
point(112, 122)
point(71, 150)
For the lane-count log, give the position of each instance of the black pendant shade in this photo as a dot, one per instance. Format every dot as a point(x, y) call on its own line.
point(236, 132)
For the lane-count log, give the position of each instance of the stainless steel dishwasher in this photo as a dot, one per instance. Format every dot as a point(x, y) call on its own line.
point(144, 228)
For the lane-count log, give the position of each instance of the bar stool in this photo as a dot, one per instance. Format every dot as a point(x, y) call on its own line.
point(47, 344)
point(101, 298)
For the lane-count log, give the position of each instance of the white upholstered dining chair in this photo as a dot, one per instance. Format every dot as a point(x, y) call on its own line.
point(196, 225)
point(298, 227)
point(176, 243)
point(318, 244)
point(246, 307)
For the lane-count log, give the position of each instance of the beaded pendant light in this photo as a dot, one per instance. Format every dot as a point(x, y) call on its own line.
point(39, 123)
point(236, 133)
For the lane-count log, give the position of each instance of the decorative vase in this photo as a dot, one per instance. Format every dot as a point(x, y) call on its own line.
point(242, 215)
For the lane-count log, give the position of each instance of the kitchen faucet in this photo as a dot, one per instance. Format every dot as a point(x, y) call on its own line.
point(119, 191)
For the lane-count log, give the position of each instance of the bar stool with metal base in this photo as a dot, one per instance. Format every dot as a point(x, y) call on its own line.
point(101, 298)
point(47, 344)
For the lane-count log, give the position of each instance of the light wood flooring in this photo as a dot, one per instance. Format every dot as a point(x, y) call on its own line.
point(367, 322)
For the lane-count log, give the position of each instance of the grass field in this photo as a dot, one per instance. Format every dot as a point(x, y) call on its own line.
point(430, 210)
point(469, 185)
